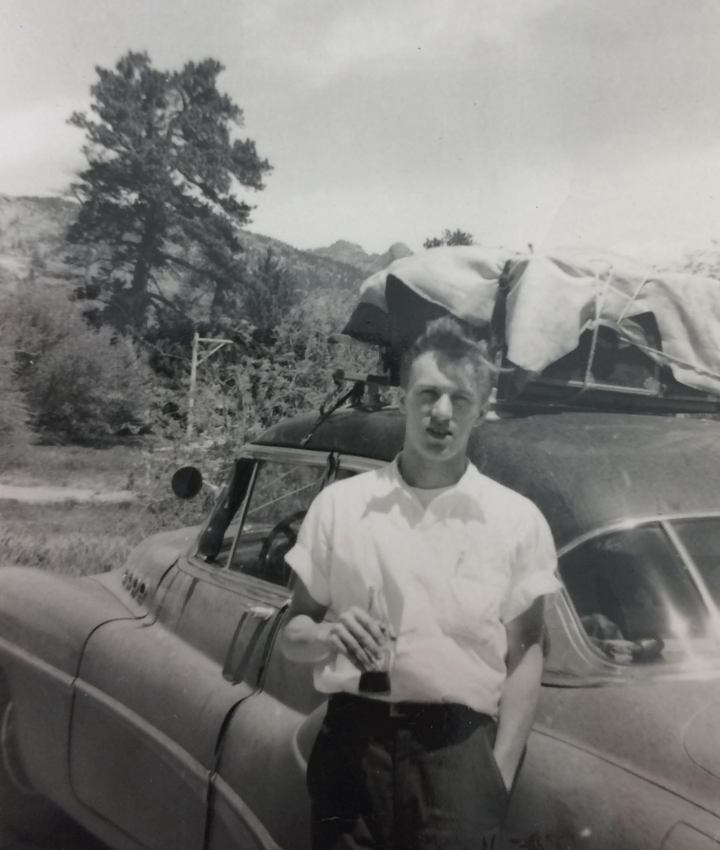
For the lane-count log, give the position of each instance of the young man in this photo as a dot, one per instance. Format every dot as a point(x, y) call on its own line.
point(445, 570)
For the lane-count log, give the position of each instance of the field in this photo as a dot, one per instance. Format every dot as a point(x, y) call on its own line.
point(75, 537)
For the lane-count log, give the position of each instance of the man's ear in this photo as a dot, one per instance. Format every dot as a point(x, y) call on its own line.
point(402, 400)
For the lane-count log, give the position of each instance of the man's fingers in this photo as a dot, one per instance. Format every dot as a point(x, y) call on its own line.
point(345, 642)
point(362, 624)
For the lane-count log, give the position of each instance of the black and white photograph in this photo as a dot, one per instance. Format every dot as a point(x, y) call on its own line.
point(359, 425)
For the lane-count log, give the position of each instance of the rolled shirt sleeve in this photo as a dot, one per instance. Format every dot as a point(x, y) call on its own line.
point(311, 556)
point(533, 567)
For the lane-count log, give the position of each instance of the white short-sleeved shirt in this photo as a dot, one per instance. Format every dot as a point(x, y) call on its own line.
point(452, 575)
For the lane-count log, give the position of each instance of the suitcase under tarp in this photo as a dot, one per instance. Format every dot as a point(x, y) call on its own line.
point(574, 327)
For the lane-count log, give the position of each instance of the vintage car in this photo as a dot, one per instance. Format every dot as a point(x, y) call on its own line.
point(154, 706)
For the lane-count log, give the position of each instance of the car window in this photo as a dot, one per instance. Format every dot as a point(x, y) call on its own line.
point(634, 599)
point(701, 537)
point(280, 497)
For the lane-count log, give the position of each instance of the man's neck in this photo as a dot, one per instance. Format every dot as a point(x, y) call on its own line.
point(417, 471)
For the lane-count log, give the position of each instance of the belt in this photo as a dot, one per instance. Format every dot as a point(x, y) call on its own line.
point(406, 711)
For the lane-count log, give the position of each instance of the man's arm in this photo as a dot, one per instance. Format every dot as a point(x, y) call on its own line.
point(307, 638)
point(520, 692)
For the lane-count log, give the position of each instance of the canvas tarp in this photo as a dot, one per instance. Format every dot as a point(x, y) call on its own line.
point(554, 297)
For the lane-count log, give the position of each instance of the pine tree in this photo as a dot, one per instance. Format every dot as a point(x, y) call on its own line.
point(159, 193)
point(449, 237)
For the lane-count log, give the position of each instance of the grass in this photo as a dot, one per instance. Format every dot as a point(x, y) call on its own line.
point(79, 538)
point(110, 468)
point(75, 538)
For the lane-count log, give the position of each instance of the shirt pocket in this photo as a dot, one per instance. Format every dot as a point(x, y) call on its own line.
point(471, 609)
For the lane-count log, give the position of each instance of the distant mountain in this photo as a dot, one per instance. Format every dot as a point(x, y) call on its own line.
point(353, 255)
point(310, 269)
point(32, 241)
point(32, 247)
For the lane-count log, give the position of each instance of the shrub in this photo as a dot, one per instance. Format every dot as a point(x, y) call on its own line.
point(14, 430)
point(242, 391)
point(79, 382)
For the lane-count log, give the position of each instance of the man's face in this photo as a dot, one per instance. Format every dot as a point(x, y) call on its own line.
point(442, 402)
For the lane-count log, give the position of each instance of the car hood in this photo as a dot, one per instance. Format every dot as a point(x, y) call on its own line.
point(667, 731)
point(146, 567)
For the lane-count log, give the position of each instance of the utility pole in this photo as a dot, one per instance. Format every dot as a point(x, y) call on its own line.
point(196, 361)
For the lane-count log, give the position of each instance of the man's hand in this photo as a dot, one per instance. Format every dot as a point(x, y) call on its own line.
point(358, 636)
point(521, 689)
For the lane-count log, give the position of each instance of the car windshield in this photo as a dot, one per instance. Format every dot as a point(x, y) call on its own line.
point(635, 599)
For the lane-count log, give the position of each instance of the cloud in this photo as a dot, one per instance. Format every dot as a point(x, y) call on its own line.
point(323, 38)
point(38, 150)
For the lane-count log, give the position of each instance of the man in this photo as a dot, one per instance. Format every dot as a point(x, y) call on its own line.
point(448, 569)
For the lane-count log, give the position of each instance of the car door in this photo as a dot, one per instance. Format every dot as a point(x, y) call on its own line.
point(260, 776)
point(151, 701)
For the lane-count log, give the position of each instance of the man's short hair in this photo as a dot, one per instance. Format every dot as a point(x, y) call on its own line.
point(449, 340)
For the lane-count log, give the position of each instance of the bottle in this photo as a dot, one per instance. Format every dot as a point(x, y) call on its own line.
point(377, 680)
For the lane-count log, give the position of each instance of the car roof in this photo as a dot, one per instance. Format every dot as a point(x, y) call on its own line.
point(585, 471)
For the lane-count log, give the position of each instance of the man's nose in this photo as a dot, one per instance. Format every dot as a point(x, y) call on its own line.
point(442, 409)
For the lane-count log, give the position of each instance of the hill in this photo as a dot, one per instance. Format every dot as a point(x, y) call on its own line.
point(353, 255)
point(32, 247)
point(32, 241)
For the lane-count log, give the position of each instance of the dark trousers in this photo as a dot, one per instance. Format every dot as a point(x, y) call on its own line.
point(415, 776)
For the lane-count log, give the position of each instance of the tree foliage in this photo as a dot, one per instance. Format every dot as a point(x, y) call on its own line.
point(449, 237)
point(78, 382)
point(14, 430)
point(270, 294)
point(159, 194)
point(247, 387)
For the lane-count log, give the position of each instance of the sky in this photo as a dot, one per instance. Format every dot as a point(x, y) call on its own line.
point(551, 122)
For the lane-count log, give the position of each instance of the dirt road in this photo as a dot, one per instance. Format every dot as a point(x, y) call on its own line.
point(43, 494)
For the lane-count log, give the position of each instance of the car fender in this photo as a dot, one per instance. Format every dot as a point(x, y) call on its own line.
point(45, 622)
point(572, 797)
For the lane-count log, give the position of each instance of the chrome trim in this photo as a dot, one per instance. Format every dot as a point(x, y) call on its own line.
point(630, 523)
point(696, 576)
point(594, 385)
point(241, 518)
point(357, 463)
point(309, 456)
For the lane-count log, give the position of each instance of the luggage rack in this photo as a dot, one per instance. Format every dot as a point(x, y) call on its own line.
point(540, 394)
point(603, 374)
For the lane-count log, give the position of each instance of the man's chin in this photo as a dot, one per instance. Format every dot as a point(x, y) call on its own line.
point(441, 449)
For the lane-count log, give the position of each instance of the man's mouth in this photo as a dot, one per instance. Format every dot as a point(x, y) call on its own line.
point(439, 433)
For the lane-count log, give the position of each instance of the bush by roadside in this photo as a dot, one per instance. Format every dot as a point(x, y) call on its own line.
point(14, 430)
point(78, 382)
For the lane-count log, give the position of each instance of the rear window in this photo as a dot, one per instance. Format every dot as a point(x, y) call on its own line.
point(635, 600)
point(701, 537)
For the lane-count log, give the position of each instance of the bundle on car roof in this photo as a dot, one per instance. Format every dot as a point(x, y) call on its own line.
point(568, 324)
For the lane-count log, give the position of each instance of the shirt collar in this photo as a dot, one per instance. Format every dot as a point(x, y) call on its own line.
point(463, 485)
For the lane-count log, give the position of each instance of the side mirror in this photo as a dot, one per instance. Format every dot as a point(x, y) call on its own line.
point(187, 482)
